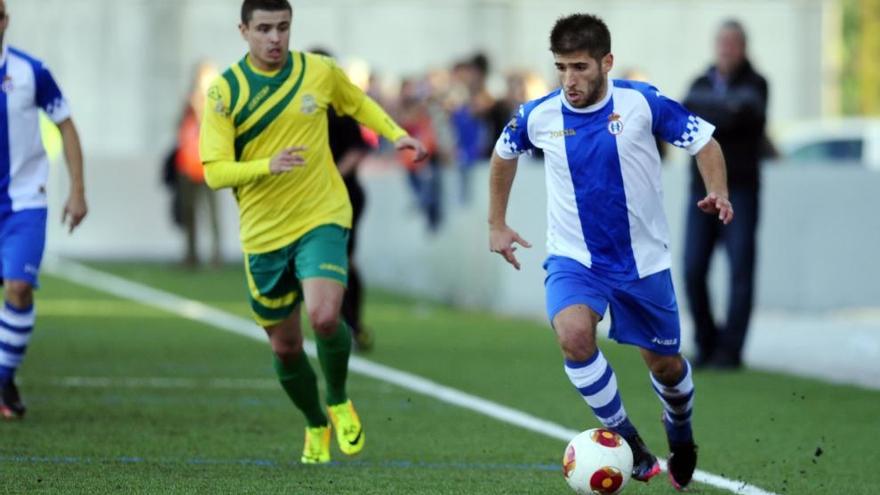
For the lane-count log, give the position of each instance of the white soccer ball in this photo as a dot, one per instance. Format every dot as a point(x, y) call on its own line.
point(597, 462)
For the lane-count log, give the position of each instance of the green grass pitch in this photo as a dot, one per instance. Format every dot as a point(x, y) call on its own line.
point(127, 399)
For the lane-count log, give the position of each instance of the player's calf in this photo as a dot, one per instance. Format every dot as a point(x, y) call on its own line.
point(677, 396)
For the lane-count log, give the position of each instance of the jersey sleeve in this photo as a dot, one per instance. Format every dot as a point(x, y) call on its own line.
point(514, 139)
point(48, 95)
point(217, 134)
point(348, 99)
point(217, 143)
point(677, 125)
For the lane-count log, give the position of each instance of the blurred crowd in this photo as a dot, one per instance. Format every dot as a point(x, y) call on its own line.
point(458, 116)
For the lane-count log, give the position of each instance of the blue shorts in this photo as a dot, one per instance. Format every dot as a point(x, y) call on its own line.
point(644, 312)
point(22, 239)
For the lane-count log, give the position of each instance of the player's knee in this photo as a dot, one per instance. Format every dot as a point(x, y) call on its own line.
point(18, 293)
point(324, 320)
point(667, 369)
point(577, 344)
point(287, 350)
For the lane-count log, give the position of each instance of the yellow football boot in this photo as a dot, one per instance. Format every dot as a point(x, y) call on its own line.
point(349, 432)
point(317, 447)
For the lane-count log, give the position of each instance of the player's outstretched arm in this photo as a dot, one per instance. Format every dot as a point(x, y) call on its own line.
point(222, 174)
point(502, 237)
point(75, 208)
point(710, 162)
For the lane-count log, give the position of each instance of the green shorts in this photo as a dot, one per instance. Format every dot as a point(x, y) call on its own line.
point(274, 278)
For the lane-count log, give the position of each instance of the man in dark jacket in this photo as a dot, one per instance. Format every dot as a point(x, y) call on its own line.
point(732, 96)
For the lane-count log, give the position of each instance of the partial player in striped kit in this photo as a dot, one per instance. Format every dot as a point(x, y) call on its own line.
point(607, 237)
point(27, 87)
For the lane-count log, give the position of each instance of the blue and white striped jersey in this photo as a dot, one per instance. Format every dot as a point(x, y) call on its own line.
point(604, 194)
point(26, 86)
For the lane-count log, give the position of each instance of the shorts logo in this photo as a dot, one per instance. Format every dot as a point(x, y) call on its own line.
point(31, 269)
point(309, 105)
point(615, 125)
point(665, 342)
point(7, 86)
point(330, 267)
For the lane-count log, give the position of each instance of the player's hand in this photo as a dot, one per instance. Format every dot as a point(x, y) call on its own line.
point(715, 204)
point(74, 211)
point(287, 159)
point(501, 241)
point(407, 142)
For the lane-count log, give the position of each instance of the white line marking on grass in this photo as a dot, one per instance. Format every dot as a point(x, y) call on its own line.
point(164, 383)
point(194, 310)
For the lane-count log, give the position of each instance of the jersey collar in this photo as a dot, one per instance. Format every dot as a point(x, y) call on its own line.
point(595, 106)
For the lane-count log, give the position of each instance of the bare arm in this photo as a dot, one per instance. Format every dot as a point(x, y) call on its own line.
point(710, 162)
point(75, 208)
point(502, 237)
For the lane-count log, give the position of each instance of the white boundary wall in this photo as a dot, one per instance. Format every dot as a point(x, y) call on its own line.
point(125, 65)
point(818, 247)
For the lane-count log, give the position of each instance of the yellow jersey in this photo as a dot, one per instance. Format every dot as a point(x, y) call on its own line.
point(252, 115)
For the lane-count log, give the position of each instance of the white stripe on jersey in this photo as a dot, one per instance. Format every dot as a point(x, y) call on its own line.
point(25, 81)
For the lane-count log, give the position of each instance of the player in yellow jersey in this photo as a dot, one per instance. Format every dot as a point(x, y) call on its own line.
point(264, 134)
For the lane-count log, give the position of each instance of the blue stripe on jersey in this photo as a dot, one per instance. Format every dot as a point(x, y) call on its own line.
point(5, 152)
point(669, 118)
point(514, 138)
point(594, 164)
point(46, 90)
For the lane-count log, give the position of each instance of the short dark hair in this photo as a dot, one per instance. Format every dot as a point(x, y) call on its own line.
point(249, 6)
point(580, 32)
point(735, 26)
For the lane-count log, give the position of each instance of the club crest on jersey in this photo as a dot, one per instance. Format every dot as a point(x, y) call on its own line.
point(615, 125)
point(216, 96)
point(309, 105)
point(7, 84)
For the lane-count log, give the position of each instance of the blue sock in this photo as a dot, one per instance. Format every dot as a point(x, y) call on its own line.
point(678, 404)
point(16, 326)
point(597, 383)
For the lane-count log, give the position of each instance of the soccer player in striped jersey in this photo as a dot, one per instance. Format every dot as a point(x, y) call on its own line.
point(26, 87)
point(607, 237)
point(264, 134)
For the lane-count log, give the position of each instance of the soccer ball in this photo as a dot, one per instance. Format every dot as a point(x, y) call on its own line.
point(597, 462)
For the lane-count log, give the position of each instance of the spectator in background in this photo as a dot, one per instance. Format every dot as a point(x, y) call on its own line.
point(733, 96)
point(424, 176)
point(348, 147)
point(503, 109)
point(187, 176)
point(471, 119)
